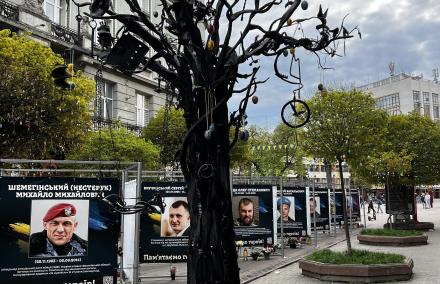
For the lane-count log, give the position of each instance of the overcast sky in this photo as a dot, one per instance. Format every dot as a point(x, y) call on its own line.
point(406, 32)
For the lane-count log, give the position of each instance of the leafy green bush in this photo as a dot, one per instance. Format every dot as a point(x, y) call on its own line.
point(357, 257)
point(391, 232)
point(117, 144)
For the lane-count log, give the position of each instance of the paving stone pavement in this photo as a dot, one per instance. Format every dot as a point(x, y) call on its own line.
point(426, 258)
point(285, 270)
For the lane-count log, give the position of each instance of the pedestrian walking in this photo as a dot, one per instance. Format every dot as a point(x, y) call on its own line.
point(379, 204)
point(427, 201)
point(422, 198)
point(370, 205)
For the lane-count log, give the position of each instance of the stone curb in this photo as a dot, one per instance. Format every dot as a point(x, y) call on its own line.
point(393, 240)
point(357, 272)
point(422, 226)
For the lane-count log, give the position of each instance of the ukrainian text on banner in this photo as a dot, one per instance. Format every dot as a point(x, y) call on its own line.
point(292, 211)
point(252, 210)
point(57, 230)
point(164, 236)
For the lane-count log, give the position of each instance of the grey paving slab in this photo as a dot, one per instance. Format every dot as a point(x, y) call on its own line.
point(426, 258)
point(285, 270)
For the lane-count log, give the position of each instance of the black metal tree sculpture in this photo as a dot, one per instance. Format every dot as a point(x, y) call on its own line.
point(204, 74)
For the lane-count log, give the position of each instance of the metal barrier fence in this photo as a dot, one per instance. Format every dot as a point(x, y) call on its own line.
point(132, 172)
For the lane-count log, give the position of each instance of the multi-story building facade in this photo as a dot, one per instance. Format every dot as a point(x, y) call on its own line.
point(316, 171)
point(401, 94)
point(62, 26)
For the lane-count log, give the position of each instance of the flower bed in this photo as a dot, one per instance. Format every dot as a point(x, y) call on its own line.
point(388, 237)
point(361, 266)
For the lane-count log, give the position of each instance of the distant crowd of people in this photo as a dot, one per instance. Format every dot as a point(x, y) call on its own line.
point(427, 199)
point(375, 202)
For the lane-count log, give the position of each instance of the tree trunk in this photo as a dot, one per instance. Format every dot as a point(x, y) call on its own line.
point(344, 208)
point(212, 255)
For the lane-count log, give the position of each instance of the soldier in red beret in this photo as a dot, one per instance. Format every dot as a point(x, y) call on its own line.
point(58, 237)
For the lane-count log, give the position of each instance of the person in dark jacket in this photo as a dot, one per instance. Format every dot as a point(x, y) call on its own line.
point(58, 237)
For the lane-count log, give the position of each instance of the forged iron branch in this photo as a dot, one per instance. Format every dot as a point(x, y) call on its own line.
point(155, 205)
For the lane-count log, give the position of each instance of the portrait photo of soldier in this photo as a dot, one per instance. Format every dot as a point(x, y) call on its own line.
point(315, 209)
point(57, 232)
point(176, 219)
point(247, 211)
point(286, 209)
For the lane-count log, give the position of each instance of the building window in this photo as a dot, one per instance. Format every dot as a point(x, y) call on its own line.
point(435, 106)
point(435, 112)
point(390, 103)
point(434, 99)
point(143, 109)
point(426, 104)
point(417, 104)
point(52, 9)
point(104, 103)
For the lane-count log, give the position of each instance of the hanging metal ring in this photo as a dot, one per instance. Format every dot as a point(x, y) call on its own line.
point(206, 171)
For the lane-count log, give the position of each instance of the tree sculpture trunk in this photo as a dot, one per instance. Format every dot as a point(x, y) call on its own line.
point(212, 256)
point(344, 208)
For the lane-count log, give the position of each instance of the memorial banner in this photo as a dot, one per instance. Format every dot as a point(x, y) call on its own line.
point(253, 213)
point(292, 211)
point(353, 206)
point(164, 237)
point(336, 205)
point(319, 208)
point(57, 230)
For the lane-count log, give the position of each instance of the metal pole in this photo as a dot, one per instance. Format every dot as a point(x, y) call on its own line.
point(351, 204)
point(328, 173)
point(124, 178)
point(363, 206)
point(388, 202)
point(137, 227)
point(334, 213)
point(281, 217)
point(315, 232)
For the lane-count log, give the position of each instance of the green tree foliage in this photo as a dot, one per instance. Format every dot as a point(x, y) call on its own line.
point(169, 141)
point(110, 144)
point(408, 154)
point(344, 125)
point(38, 120)
point(281, 160)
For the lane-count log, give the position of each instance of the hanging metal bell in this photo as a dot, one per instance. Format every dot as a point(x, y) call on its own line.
point(244, 135)
point(208, 135)
point(304, 5)
point(211, 45)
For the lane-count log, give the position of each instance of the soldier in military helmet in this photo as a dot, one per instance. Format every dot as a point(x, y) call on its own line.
point(58, 237)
